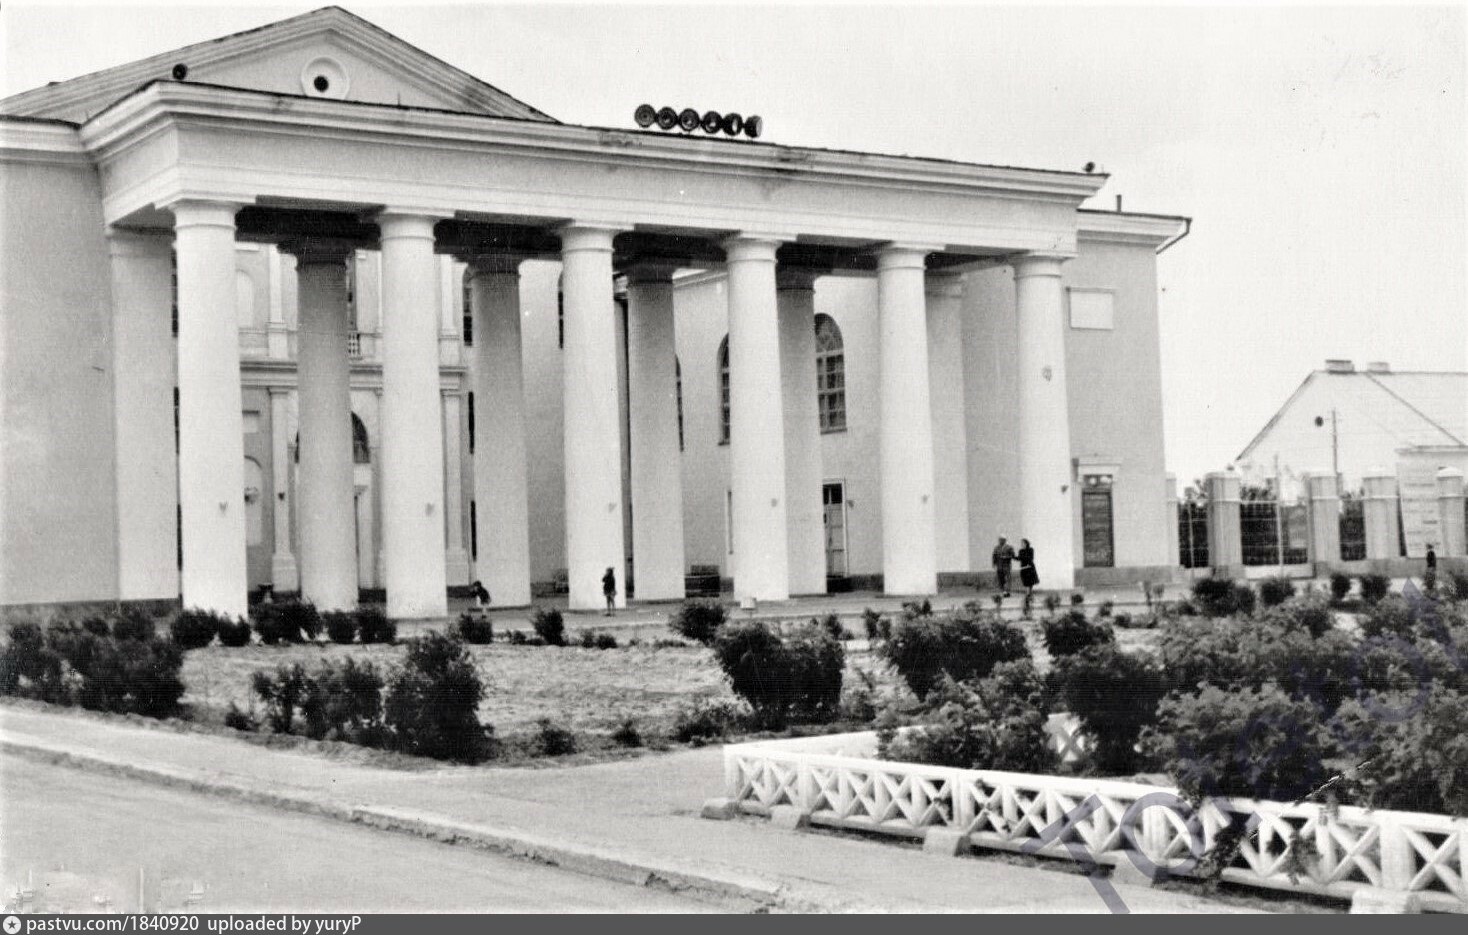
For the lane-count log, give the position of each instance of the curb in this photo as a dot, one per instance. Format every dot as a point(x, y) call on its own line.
point(726, 887)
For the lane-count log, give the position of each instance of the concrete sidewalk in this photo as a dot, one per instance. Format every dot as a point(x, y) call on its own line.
point(635, 820)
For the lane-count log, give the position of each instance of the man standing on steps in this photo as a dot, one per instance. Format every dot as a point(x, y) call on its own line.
point(1003, 557)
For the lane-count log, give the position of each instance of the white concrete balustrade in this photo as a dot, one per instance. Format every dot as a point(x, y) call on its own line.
point(1355, 848)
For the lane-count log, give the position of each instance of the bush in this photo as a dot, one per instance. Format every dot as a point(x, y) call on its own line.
point(286, 622)
point(97, 626)
point(1221, 597)
point(240, 720)
point(433, 702)
point(1071, 632)
point(549, 626)
point(373, 625)
point(704, 721)
point(1308, 614)
point(872, 623)
point(1416, 763)
point(234, 633)
point(1340, 586)
point(195, 629)
point(964, 645)
point(132, 623)
point(595, 639)
point(1390, 615)
point(473, 628)
point(1275, 590)
point(1105, 609)
point(991, 723)
point(627, 734)
point(343, 701)
point(1374, 587)
point(281, 693)
point(1115, 695)
point(797, 678)
point(341, 626)
point(1077, 598)
point(832, 625)
point(1052, 603)
point(1457, 585)
point(1254, 743)
point(699, 620)
point(30, 668)
point(553, 740)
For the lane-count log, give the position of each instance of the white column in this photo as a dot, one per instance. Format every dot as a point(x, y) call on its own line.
point(456, 557)
point(657, 464)
point(284, 573)
point(412, 420)
point(277, 335)
point(143, 368)
point(756, 423)
point(909, 550)
point(1450, 512)
point(211, 425)
point(1225, 542)
point(795, 298)
point(592, 435)
point(1045, 472)
point(1379, 513)
point(1325, 520)
point(500, 483)
point(325, 508)
point(950, 431)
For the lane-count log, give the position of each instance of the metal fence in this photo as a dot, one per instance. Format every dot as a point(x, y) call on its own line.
point(1274, 532)
point(1353, 530)
point(1192, 534)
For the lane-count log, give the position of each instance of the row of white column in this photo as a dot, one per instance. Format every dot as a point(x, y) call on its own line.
point(774, 444)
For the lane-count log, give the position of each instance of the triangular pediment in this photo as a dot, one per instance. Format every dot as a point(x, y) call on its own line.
point(326, 53)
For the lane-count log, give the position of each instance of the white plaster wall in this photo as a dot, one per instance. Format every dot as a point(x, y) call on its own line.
point(58, 509)
point(991, 385)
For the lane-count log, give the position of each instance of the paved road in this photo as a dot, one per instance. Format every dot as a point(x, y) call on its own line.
point(80, 835)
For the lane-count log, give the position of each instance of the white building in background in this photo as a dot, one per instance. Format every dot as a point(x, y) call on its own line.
point(307, 307)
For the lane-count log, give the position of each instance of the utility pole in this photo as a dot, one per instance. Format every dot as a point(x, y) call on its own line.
point(1278, 518)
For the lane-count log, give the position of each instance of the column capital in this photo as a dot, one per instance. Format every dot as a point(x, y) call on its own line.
point(796, 280)
point(200, 212)
point(650, 273)
point(752, 248)
point(125, 242)
point(578, 236)
point(1038, 264)
point(944, 284)
point(318, 250)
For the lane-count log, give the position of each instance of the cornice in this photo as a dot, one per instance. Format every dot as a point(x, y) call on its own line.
point(318, 118)
point(1150, 230)
point(41, 141)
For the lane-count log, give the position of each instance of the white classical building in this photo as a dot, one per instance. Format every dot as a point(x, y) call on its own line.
point(309, 308)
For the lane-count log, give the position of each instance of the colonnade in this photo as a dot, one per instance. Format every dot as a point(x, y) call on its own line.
point(774, 444)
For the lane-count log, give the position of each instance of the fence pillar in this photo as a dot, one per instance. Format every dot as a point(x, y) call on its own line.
point(1450, 512)
point(1225, 543)
point(1398, 861)
point(1169, 510)
point(1379, 511)
point(1325, 521)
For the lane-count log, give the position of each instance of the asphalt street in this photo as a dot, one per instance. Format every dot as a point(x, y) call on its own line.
point(78, 838)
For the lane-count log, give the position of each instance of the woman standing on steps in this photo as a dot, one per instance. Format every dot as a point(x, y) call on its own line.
point(1028, 576)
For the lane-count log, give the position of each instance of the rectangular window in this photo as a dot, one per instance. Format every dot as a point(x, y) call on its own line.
point(729, 519)
point(1092, 310)
point(831, 392)
point(471, 422)
point(1096, 521)
point(473, 530)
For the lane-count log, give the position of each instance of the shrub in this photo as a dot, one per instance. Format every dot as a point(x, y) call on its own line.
point(1071, 632)
point(1416, 763)
point(1077, 598)
point(553, 740)
point(872, 622)
point(1458, 585)
point(302, 620)
point(1115, 695)
point(797, 678)
point(271, 624)
point(922, 608)
point(373, 625)
point(832, 625)
point(234, 633)
point(1052, 603)
point(433, 701)
point(30, 668)
point(549, 626)
point(704, 721)
point(343, 701)
point(627, 734)
point(1221, 597)
point(1374, 587)
point(240, 720)
point(1340, 586)
point(1308, 614)
point(606, 641)
point(195, 629)
point(132, 623)
point(1275, 590)
point(97, 626)
point(1105, 609)
point(1255, 743)
point(473, 628)
point(699, 620)
point(964, 645)
point(1390, 615)
point(341, 626)
point(991, 723)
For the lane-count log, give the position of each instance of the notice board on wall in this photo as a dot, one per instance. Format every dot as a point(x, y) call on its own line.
point(1421, 523)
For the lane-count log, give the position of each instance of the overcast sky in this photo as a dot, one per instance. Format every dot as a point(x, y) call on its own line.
point(1320, 151)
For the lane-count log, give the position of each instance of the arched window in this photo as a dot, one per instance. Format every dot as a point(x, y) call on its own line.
point(678, 379)
point(724, 391)
point(830, 375)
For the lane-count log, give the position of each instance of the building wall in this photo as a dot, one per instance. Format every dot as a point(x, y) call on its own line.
point(991, 383)
point(58, 509)
point(1114, 381)
point(546, 479)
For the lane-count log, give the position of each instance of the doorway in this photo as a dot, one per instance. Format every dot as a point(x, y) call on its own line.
point(833, 496)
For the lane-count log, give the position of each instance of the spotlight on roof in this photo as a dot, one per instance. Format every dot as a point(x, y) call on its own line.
point(1090, 167)
point(180, 71)
point(688, 120)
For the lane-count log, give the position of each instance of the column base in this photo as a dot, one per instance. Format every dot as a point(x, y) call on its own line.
point(285, 576)
point(456, 567)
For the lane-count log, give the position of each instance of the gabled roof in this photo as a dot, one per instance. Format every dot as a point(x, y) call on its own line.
point(78, 98)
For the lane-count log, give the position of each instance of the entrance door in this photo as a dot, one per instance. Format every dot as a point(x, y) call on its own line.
point(1096, 518)
point(833, 495)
